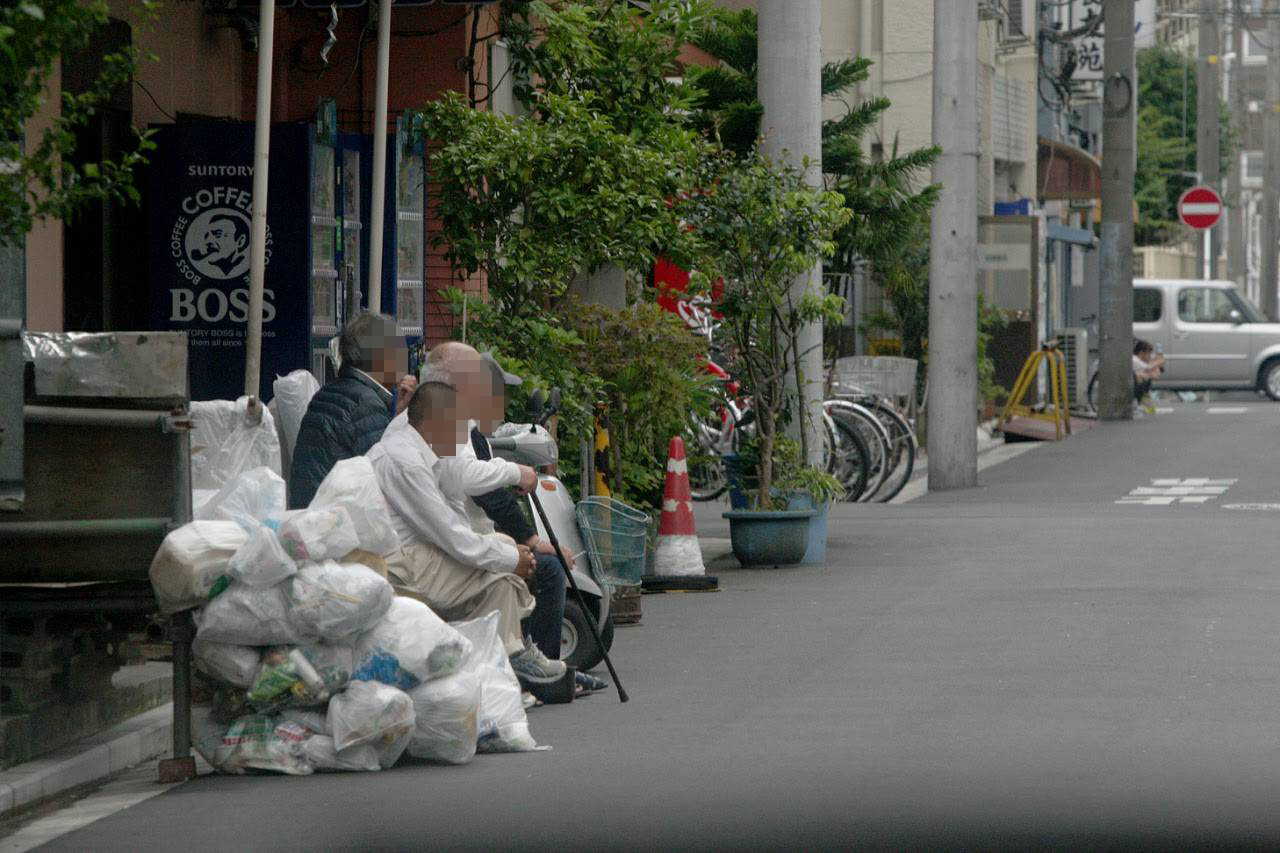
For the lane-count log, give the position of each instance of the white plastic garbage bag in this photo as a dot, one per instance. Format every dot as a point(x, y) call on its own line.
point(191, 564)
point(292, 395)
point(503, 726)
point(299, 675)
point(333, 601)
point(445, 713)
point(248, 498)
point(225, 442)
point(371, 713)
point(262, 742)
point(320, 753)
point(351, 485)
point(206, 731)
point(312, 719)
point(228, 663)
point(316, 534)
point(199, 498)
point(409, 645)
point(248, 616)
point(261, 561)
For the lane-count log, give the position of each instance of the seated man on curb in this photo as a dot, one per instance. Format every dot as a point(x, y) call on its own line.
point(482, 382)
point(346, 417)
point(443, 562)
point(1148, 365)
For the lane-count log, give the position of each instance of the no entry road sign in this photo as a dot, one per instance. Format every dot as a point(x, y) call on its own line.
point(1200, 208)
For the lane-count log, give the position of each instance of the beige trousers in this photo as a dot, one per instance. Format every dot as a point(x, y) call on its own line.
point(455, 591)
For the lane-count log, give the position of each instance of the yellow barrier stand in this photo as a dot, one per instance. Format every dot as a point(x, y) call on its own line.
point(603, 463)
point(1057, 413)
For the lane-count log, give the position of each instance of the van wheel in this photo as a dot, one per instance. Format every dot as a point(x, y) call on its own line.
point(1269, 379)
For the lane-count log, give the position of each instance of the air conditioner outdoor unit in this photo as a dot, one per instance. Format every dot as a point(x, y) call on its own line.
point(1074, 344)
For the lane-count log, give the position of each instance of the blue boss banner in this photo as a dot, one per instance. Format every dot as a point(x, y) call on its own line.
point(199, 197)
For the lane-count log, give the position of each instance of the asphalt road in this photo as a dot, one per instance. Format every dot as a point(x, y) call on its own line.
point(1028, 663)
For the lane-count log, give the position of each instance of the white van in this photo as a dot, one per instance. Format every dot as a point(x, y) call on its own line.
point(1211, 335)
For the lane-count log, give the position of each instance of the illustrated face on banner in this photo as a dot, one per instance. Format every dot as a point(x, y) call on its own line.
point(210, 236)
point(218, 243)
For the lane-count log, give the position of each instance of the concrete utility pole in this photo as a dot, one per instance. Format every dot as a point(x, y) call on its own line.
point(953, 251)
point(1237, 263)
point(258, 232)
point(1271, 186)
point(789, 85)
point(1119, 152)
point(1207, 160)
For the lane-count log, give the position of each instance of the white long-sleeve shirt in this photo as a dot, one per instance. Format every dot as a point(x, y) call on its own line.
point(417, 487)
point(464, 476)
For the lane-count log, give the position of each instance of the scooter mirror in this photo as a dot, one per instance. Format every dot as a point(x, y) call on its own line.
point(536, 405)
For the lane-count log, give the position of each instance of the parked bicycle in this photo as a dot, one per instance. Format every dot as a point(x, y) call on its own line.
point(866, 395)
point(710, 440)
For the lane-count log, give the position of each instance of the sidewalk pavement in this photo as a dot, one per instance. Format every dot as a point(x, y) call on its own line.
point(150, 735)
point(988, 441)
point(120, 747)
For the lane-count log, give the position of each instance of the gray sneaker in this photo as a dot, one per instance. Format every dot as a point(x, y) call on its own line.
point(533, 666)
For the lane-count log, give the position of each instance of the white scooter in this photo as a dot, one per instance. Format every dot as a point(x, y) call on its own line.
point(531, 444)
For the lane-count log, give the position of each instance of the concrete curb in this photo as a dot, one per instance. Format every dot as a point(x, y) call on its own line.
point(991, 451)
point(139, 739)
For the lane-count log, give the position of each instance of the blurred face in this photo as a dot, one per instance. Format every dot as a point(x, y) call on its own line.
point(474, 382)
point(494, 410)
point(444, 429)
point(388, 358)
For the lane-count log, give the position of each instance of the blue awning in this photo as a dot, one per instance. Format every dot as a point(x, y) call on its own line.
point(1078, 236)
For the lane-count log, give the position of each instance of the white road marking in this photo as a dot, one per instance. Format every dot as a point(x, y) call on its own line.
point(1166, 491)
point(1254, 507)
point(1164, 410)
point(1228, 410)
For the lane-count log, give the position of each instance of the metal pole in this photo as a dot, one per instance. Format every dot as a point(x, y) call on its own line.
point(1271, 186)
point(1119, 144)
point(1207, 117)
point(789, 85)
point(953, 251)
point(261, 162)
point(379, 157)
point(1237, 270)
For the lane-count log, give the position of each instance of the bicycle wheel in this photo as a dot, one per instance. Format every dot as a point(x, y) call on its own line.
point(707, 446)
point(902, 450)
point(848, 458)
point(873, 435)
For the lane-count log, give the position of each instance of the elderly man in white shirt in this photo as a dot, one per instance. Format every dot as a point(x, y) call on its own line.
point(443, 562)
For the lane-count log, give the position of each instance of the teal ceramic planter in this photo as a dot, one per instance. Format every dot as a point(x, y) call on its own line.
point(771, 537)
point(816, 551)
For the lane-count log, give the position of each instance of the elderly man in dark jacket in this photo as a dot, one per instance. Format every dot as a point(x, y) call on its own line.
point(348, 416)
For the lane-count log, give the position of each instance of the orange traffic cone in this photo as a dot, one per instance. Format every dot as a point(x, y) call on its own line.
point(679, 554)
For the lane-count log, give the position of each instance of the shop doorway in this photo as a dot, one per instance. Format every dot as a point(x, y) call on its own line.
point(103, 284)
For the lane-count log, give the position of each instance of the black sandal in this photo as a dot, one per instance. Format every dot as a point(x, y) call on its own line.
point(586, 684)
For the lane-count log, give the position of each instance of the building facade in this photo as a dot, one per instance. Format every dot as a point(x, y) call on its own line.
point(93, 273)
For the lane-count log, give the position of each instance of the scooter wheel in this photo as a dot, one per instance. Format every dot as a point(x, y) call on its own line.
point(577, 648)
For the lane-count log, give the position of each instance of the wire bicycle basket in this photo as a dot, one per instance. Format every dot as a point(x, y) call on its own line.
point(616, 536)
point(876, 375)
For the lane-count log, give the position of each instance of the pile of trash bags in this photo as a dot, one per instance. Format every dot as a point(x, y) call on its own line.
point(313, 661)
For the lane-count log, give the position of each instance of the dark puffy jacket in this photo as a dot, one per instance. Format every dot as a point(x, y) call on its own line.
point(344, 419)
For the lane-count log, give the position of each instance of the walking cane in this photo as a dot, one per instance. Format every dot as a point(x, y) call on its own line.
point(564, 564)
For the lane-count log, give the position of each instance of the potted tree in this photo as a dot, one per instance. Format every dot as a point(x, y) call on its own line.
point(762, 226)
